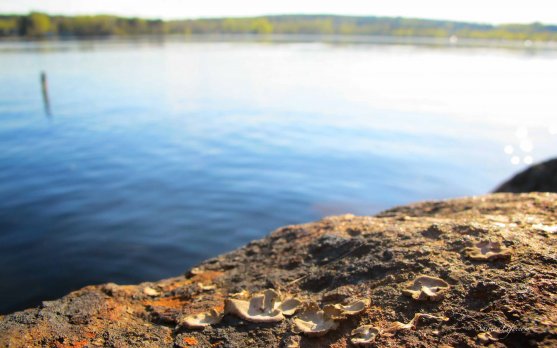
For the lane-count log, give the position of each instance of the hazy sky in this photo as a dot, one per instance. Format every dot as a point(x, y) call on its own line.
point(493, 11)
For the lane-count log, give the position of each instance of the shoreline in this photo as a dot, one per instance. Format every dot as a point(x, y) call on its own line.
point(441, 42)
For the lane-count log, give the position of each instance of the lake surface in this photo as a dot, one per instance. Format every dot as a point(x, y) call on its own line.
point(158, 155)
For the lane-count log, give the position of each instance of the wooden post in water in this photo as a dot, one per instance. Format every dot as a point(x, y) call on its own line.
point(44, 89)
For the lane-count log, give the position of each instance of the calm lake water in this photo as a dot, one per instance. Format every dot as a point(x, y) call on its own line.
point(160, 155)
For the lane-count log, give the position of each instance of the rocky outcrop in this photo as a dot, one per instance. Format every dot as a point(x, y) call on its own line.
point(428, 249)
point(537, 178)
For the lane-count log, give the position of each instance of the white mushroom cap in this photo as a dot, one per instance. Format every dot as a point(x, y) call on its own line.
point(488, 251)
point(364, 335)
point(289, 306)
point(150, 291)
point(201, 320)
point(487, 337)
point(313, 322)
point(206, 287)
point(339, 311)
point(259, 309)
point(412, 324)
point(427, 288)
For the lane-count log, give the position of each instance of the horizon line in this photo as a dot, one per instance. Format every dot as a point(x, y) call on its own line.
point(272, 15)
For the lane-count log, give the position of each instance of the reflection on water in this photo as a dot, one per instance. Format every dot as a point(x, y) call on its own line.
point(162, 155)
point(522, 152)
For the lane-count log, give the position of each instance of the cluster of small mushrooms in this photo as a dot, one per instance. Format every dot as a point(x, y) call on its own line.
point(313, 321)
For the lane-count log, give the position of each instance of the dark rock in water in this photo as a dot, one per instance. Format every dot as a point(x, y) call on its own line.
point(509, 301)
point(541, 177)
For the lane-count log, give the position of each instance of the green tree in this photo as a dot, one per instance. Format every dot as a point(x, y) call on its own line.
point(8, 26)
point(39, 24)
point(261, 26)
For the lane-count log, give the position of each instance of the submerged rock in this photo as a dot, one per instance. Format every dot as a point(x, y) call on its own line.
point(335, 262)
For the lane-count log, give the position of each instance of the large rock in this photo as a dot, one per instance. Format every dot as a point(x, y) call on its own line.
point(541, 177)
point(506, 301)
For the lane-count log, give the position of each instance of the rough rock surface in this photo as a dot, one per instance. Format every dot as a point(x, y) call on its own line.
point(537, 178)
point(508, 302)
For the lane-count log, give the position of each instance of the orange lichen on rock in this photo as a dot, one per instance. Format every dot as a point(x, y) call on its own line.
point(77, 344)
point(190, 341)
point(115, 310)
point(173, 302)
point(206, 277)
point(174, 283)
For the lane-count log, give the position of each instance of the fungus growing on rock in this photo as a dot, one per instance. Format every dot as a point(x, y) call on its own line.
point(413, 324)
point(289, 306)
point(261, 308)
point(151, 292)
point(206, 287)
point(195, 271)
point(427, 288)
point(339, 311)
point(545, 228)
point(487, 337)
point(364, 335)
point(201, 320)
point(488, 251)
point(313, 321)
point(244, 294)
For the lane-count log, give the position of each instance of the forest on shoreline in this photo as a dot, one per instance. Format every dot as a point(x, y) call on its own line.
point(40, 25)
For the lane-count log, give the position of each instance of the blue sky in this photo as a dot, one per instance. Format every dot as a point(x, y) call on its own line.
point(489, 11)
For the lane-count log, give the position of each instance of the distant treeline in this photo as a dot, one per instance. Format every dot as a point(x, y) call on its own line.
point(42, 25)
